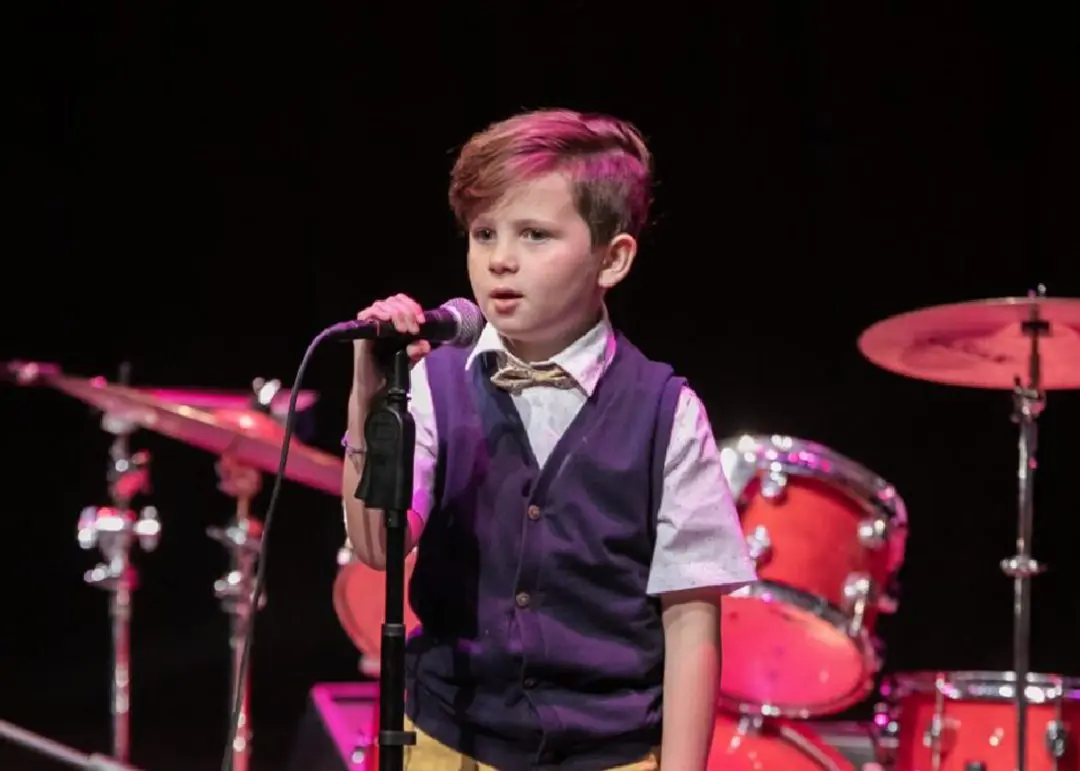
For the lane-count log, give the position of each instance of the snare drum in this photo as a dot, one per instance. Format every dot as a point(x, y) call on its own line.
point(770, 744)
point(360, 604)
point(955, 721)
point(828, 538)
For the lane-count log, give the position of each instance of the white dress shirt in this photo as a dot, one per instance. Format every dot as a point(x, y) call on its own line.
point(699, 538)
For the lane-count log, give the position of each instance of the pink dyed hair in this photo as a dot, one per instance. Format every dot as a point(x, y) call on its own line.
point(606, 159)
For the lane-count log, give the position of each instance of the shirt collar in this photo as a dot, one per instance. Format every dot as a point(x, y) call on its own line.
point(586, 359)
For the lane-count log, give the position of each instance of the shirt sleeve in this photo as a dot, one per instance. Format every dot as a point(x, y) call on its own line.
point(699, 538)
point(426, 453)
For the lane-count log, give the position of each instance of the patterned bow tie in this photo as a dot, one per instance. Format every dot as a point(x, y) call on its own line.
point(515, 376)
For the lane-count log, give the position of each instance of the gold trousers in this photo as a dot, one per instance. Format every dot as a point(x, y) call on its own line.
point(430, 755)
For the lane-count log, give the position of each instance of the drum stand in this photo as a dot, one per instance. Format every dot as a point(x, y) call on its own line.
point(1028, 403)
point(113, 529)
point(59, 752)
point(242, 538)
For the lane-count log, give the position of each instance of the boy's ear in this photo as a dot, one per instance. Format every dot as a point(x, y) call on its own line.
point(617, 259)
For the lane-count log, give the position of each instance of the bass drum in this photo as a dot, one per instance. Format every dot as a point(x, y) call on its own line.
point(953, 721)
point(360, 605)
point(828, 538)
point(770, 744)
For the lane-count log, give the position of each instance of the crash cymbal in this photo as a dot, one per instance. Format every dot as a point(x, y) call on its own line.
point(980, 344)
point(232, 400)
point(252, 438)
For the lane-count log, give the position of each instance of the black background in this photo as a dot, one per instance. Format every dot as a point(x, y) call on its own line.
point(199, 188)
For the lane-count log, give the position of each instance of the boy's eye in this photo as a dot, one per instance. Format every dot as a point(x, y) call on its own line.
point(482, 234)
point(535, 234)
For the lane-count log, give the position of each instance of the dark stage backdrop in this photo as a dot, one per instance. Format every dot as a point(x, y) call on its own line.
point(198, 189)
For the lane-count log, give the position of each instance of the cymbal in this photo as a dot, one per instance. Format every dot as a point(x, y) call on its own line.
point(980, 344)
point(231, 400)
point(253, 438)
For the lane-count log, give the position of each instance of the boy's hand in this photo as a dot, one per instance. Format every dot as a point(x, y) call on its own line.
point(406, 315)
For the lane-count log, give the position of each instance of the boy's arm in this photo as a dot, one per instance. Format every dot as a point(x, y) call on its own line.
point(366, 528)
point(700, 555)
point(692, 661)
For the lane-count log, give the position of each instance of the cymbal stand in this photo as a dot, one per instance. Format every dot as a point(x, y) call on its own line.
point(1028, 404)
point(114, 529)
point(243, 539)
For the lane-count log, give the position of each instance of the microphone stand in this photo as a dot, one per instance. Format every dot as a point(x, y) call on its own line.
point(386, 484)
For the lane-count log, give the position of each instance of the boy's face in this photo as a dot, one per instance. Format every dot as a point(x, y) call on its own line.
point(534, 270)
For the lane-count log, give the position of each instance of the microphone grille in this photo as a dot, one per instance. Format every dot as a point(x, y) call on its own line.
point(470, 321)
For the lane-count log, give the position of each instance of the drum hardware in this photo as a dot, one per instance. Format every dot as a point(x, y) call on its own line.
point(754, 741)
point(59, 752)
point(1026, 345)
point(264, 392)
point(858, 590)
point(1057, 737)
point(773, 485)
point(874, 532)
point(114, 530)
point(242, 539)
point(226, 423)
point(885, 733)
point(935, 738)
point(759, 545)
point(1028, 403)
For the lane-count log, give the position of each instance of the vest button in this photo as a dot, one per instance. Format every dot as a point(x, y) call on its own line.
point(534, 513)
point(522, 600)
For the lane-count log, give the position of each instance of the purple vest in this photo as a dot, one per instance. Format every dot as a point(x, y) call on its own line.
point(539, 646)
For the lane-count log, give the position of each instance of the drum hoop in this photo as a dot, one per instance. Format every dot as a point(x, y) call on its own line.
point(800, 736)
point(770, 591)
point(965, 685)
point(823, 753)
point(757, 452)
point(745, 455)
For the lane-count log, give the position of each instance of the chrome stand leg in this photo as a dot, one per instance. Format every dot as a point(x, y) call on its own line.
point(1028, 402)
point(242, 538)
point(114, 530)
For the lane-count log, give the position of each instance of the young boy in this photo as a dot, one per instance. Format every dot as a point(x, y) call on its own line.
point(575, 530)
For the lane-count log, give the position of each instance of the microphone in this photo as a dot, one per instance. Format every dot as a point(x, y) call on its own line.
point(456, 322)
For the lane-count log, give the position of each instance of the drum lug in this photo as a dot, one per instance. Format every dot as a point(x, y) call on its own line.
point(773, 485)
point(858, 588)
point(874, 532)
point(885, 733)
point(759, 545)
point(1057, 737)
point(936, 737)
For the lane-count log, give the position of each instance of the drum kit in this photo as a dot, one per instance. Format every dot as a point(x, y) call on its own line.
point(244, 430)
point(827, 534)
